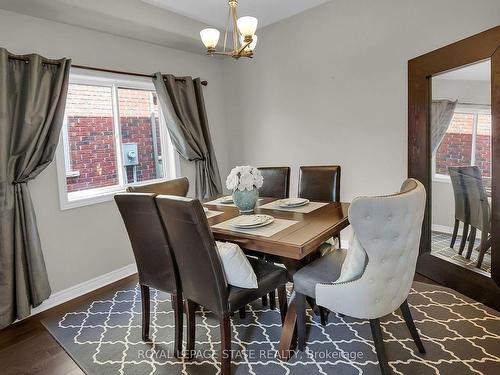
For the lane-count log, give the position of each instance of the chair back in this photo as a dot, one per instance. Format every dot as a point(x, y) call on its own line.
point(276, 182)
point(320, 183)
point(477, 200)
point(200, 267)
point(388, 228)
point(457, 182)
point(155, 264)
point(178, 186)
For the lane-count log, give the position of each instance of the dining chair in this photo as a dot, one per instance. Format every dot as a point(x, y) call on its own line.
point(276, 182)
point(479, 210)
point(461, 207)
point(155, 264)
point(387, 233)
point(202, 274)
point(178, 186)
point(276, 185)
point(320, 184)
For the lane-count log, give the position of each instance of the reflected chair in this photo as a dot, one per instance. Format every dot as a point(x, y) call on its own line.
point(479, 210)
point(178, 186)
point(387, 229)
point(461, 208)
point(276, 182)
point(155, 264)
point(202, 274)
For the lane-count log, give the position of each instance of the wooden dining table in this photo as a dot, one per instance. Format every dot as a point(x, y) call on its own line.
point(294, 247)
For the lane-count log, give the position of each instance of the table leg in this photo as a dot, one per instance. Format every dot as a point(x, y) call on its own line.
point(288, 338)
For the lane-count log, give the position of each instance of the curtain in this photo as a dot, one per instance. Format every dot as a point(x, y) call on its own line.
point(441, 116)
point(32, 100)
point(182, 104)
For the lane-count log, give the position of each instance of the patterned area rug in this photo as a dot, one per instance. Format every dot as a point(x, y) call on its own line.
point(441, 248)
point(461, 337)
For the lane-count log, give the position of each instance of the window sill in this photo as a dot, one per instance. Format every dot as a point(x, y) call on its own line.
point(441, 178)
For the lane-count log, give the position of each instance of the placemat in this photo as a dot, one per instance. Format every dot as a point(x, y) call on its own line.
point(310, 207)
point(267, 231)
point(211, 213)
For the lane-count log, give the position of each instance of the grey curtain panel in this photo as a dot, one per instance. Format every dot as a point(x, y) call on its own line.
point(32, 100)
point(441, 115)
point(182, 104)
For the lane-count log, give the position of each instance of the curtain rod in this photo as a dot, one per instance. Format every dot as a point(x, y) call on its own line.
point(25, 59)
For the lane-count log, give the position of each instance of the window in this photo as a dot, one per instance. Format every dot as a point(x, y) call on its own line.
point(111, 138)
point(466, 142)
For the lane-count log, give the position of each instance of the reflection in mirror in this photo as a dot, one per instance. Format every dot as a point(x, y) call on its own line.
point(461, 166)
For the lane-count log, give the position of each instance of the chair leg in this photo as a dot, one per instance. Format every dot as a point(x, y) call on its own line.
point(178, 318)
point(300, 303)
point(283, 302)
point(225, 349)
point(483, 247)
point(455, 232)
point(405, 310)
point(323, 314)
point(379, 346)
point(191, 327)
point(472, 240)
point(243, 312)
point(272, 300)
point(338, 239)
point(264, 300)
point(146, 308)
point(464, 238)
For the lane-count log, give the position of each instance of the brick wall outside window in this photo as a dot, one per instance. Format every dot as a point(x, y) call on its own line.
point(91, 135)
point(456, 147)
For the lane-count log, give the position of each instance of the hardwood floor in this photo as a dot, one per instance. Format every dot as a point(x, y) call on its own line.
point(27, 348)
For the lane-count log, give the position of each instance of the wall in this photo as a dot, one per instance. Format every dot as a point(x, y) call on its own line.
point(83, 243)
point(329, 86)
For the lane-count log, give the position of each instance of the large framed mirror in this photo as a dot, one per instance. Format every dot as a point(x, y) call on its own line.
point(454, 149)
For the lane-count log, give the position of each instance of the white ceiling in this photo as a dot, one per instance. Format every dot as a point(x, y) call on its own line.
point(475, 72)
point(214, 12)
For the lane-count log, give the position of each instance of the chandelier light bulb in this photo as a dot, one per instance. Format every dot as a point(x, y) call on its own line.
point(210, 38)
point(252, 45)
point(247, 26)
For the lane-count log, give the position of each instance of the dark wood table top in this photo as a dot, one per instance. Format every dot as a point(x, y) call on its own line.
point(294, 242)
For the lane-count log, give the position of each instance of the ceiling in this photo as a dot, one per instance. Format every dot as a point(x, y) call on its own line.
point(214, 12)
point(475, 72)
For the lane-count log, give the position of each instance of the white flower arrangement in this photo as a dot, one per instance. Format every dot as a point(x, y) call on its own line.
point(244, 178)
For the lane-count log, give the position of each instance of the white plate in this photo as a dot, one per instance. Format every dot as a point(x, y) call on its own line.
point(227, 199)
point(251, 221)
point(292, 202)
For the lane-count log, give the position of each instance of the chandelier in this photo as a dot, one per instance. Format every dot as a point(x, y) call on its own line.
point(241, 30)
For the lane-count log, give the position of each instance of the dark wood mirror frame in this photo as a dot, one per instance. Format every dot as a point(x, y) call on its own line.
point(482, 46)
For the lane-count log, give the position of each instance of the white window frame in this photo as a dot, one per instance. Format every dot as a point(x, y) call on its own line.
point(475, 110)
point(170, 159)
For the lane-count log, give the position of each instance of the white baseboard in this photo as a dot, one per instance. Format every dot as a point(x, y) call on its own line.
point(442, 229)
point(85, 287)
point(344, 244)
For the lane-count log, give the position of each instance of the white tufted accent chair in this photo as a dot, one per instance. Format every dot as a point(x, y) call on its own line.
point(388, 229)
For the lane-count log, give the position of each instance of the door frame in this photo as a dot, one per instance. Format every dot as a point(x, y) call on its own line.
point(482, 46)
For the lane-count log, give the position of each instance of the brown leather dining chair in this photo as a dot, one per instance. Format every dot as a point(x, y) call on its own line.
point(320, 183)
point(178, 186)
point(202, 274)
point(276, 185)
point(276, 182)
point(155, 264)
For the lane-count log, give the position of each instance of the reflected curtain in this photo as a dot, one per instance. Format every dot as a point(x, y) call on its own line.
point(441, 115)
point(183, 106)
point(32, 99)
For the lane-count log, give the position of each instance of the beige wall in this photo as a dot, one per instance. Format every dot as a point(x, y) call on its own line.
point(329, 86)
point(83, 243)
